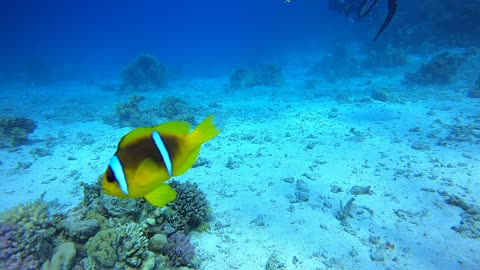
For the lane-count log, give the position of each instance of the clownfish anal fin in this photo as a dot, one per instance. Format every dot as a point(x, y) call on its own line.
point(161, 196)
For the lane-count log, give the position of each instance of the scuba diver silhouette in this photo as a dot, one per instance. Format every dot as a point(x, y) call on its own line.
point(355, 9)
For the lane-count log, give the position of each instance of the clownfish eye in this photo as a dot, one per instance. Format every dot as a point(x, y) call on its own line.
point(110, 176)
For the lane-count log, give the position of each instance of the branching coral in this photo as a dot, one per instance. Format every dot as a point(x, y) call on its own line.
point(14, 130)
point(117, 247)
point(179, 250)
point(144, 73)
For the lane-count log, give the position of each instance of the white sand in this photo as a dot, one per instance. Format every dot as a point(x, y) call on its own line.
point(320, 149)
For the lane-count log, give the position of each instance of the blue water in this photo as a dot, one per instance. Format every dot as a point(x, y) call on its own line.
point(104, 36)
point(335, 152)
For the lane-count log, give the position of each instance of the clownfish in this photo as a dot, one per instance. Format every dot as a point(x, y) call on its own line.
point(148, 156)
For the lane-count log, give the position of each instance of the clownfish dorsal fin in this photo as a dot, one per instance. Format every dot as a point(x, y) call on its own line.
point(174, 128)
point(161, 196)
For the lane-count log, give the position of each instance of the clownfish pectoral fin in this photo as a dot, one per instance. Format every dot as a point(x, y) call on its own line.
point(161, 196)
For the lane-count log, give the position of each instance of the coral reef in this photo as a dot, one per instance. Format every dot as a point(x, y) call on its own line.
point(79, 227)
point(119, 247)
point(129, 114)
point(95, 236)
point(143, 73)
point(268, 75)
point(14, 130)
point(174, 108)
point(439, 70)
point(435, 23)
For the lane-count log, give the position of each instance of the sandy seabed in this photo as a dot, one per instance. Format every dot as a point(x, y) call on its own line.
point(283, 166)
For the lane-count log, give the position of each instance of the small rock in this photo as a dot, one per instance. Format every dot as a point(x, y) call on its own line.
point(150, 221)
point(359, 190)
point(377, 256)
point(157, 242)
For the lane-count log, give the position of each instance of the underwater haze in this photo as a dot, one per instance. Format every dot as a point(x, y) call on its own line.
point(105, 35)
point(275, 134)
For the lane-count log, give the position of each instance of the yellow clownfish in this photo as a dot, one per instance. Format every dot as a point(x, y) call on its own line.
point(148, 156)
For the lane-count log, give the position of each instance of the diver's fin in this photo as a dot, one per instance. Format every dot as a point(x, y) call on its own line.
point(392, 8)
point(161, 195)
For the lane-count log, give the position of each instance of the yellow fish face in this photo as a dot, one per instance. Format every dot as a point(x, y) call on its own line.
point(110, 185)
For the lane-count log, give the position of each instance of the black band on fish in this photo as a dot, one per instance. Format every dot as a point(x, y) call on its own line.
point(117, 169)
point(157, 139)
